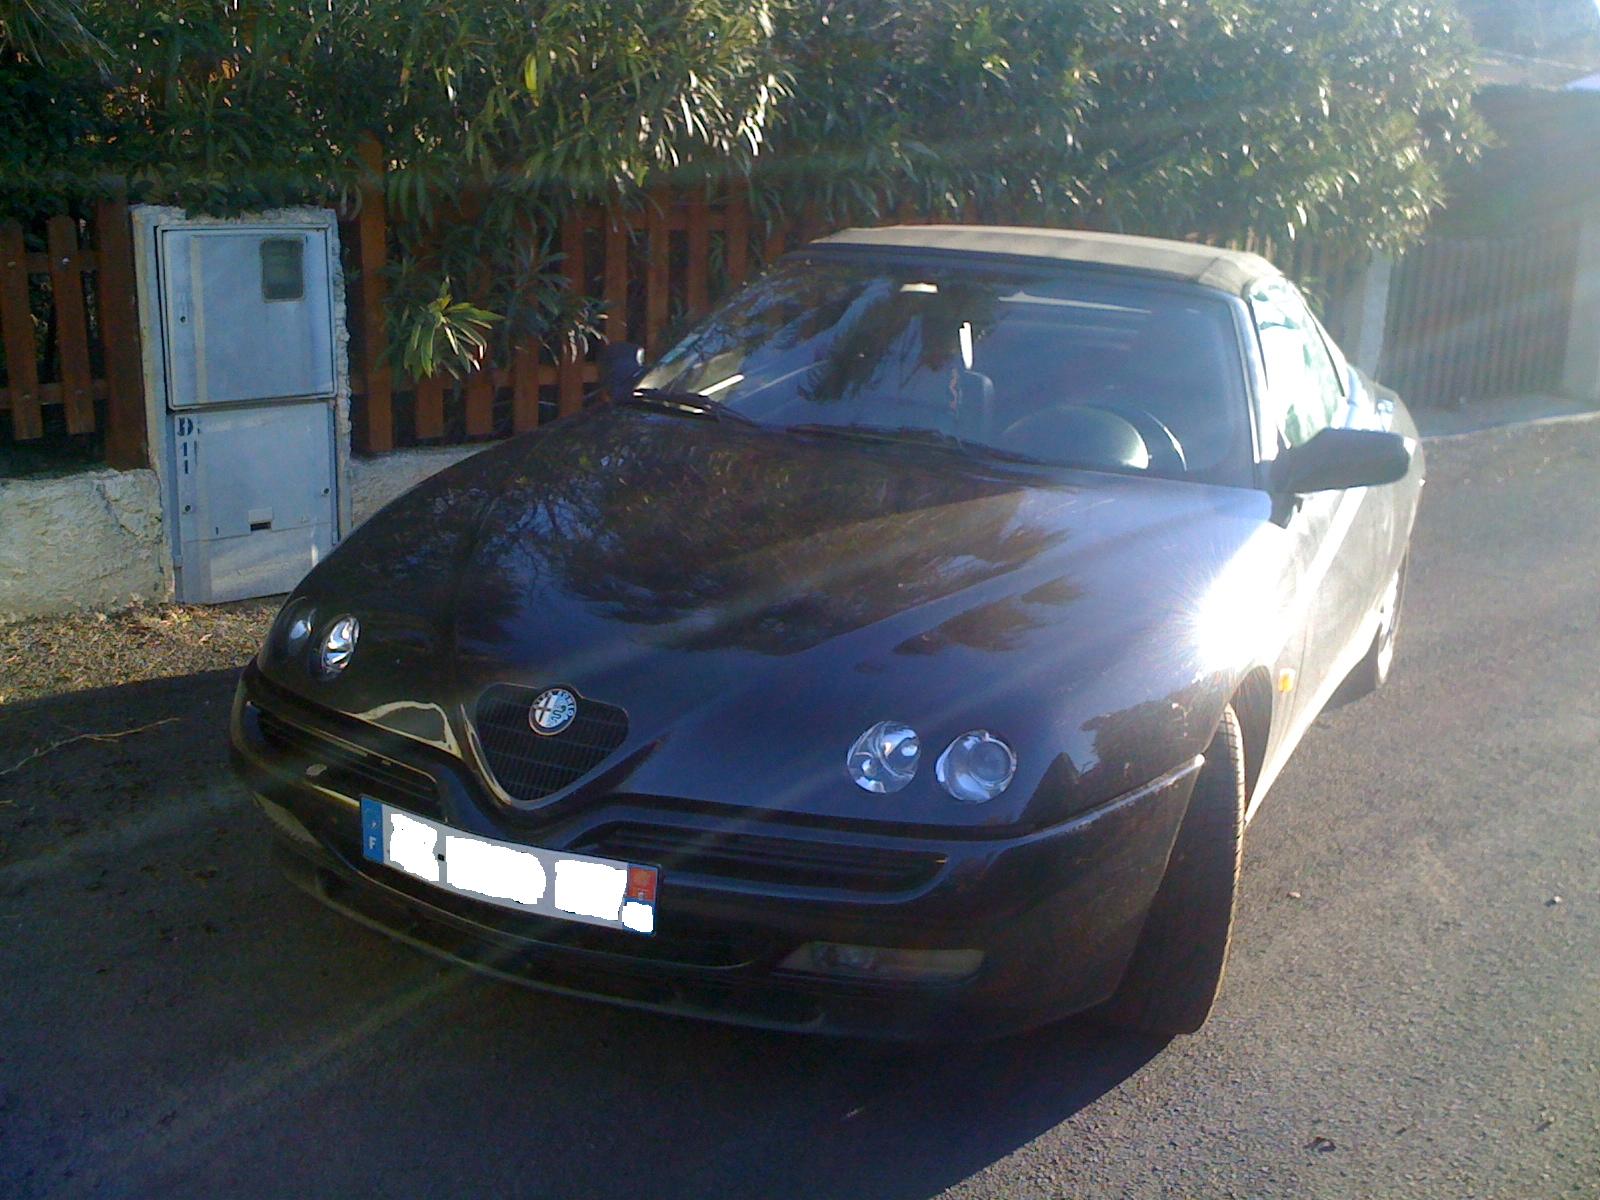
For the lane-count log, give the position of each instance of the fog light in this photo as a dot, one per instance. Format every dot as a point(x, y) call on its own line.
point(882, 962)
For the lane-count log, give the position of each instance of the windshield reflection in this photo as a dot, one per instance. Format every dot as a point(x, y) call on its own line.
point(1064, 366)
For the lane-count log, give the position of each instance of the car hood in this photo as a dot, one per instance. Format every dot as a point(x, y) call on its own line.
point(754, 600)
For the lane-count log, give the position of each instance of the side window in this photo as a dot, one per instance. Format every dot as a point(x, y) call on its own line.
point(1303, 389)
point(1341, 366)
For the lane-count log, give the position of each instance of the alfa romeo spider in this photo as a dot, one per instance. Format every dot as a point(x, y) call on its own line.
point(904, 652)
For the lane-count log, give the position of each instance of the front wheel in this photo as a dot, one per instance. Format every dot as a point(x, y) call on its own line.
point(1372, 672)
point(1175, 974)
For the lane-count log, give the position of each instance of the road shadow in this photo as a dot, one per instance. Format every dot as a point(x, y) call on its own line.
point(947, 1115)
point(481, 1088)
point(179, 750)
point(249, 1042)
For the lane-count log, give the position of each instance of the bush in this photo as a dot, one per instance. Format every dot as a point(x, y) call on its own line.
point(1217, 120)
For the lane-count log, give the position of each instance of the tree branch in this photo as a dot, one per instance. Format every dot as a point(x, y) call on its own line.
point(83, 737)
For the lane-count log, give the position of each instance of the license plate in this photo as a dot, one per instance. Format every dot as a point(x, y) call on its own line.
point(571, 887)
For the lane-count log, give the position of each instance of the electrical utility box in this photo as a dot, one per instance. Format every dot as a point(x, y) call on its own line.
point(247, 391)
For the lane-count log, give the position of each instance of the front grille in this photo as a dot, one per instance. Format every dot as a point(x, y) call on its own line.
point(765, 860)
point(680, 940)
point(350, 769)
point(531, 766)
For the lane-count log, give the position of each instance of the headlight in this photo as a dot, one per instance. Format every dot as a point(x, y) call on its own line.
point(294, 627)
point(337, 645)
point(976, 767)
point(884, 758)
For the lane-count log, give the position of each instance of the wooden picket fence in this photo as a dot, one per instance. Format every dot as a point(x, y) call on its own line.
point(69, 332)
point(1478, 318)
point(652, 268)
point(1466, 318)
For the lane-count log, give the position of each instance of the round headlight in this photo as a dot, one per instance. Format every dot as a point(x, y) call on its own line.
point(884, 758)
point(296, 627)
point(976, 767)
point(337, 645)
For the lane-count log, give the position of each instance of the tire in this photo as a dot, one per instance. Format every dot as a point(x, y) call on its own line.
point(1176, 970)
point(1372, 672)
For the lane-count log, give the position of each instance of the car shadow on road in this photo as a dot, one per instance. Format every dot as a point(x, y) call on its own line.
point(577, 1098)
point(954, 1112)
point(151, 745)
point(252, 1042)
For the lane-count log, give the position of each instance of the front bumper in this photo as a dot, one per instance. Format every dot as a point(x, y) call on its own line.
point(1055, 911)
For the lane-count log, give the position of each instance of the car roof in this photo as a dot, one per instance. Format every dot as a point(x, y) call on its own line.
point(1227, 270)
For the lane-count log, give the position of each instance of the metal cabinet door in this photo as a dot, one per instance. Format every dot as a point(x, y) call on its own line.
point(255, 498)
point(247, 314)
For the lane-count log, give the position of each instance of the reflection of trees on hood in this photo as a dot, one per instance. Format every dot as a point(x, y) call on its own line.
point(1123, 739)
point(999, 627)
point(720, 536)
point(411, 553)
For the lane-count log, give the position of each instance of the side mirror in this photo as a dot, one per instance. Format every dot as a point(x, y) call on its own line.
point(1342, 458)
point(621, 367)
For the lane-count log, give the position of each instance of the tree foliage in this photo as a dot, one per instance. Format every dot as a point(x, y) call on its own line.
point(1278, 117)
point(40, 30)
point(936, 102)
point(1211, 118)
point(1219, 119)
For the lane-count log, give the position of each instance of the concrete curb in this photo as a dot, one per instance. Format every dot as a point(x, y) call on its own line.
point(1527, 423)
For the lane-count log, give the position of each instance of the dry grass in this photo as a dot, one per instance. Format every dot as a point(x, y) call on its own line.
point(51, 656)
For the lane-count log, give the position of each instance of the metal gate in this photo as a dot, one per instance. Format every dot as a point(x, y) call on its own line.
point(1478, 318)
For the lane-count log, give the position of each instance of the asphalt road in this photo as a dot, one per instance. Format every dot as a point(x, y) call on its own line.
point(1409, 1010)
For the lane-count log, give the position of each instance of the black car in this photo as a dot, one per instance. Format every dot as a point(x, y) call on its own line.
point(904, 653)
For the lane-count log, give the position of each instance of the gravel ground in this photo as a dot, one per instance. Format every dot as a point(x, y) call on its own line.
point(104, 718)
point(51, 656)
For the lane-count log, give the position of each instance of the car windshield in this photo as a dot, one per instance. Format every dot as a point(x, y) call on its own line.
point(1067, 367)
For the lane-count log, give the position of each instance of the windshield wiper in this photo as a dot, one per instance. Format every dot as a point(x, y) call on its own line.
point(689, 404)
point(878, 433)
point(919, 436)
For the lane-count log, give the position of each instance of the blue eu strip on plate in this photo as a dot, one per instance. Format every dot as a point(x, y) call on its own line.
point(371, 829)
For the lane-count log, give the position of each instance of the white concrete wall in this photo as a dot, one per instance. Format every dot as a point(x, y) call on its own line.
point(88, 540)
point(1580, 374)
point(1371, 315)
point(95, 540)
point(373, 482)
